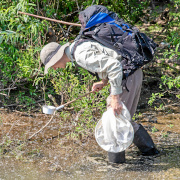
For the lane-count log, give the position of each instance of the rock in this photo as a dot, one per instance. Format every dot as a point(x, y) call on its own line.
point(152, 119)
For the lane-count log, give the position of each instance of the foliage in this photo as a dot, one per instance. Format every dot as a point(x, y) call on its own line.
point(170, 78)
point(129, 9)
point(154, 130)
point(22, 37)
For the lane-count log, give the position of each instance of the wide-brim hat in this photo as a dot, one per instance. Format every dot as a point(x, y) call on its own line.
point(51, 54)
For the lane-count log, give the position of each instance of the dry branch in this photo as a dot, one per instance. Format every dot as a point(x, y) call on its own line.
point(4, 94)
point(49, 19)
point(8, 89)
point(42, 127)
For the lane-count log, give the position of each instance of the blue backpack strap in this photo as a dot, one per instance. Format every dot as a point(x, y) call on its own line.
point(89, 12)
point(98, 18)
point(101, 18)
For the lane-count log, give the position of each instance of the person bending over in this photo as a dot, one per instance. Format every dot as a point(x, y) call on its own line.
point(104, 61)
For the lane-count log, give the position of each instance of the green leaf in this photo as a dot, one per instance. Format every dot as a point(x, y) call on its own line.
point(31, 4)
point(177, 47)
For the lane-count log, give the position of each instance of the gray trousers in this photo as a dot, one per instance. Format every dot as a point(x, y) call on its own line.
point(131, 98)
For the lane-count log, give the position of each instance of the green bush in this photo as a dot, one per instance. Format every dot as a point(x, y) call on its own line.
point(170, 78)
point(22, 37)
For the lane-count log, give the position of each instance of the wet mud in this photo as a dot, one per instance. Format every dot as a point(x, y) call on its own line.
point(59, 153)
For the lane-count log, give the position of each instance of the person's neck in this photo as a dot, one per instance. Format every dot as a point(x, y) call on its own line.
point(66, 58)
point(68, 53)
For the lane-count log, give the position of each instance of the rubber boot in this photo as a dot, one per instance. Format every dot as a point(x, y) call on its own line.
point(116, 157)
point(144, 142)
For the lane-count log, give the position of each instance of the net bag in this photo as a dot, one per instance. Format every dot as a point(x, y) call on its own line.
point(114, 133)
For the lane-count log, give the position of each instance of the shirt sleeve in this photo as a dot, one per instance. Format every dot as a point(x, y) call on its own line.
point(95, 58)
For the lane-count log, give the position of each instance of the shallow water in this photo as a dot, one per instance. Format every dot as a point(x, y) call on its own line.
point(54, 154)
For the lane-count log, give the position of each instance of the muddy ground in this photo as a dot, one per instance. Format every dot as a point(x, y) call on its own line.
point(54, 154)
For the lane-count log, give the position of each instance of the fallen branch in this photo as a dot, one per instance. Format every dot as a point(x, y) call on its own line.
point(4, 94)
point(42, 127)
point(174, 104)
point(49, 19)
point(7, 134)
point(8, 124)
point(24, 105)
point(8, 89)
point(53, 100)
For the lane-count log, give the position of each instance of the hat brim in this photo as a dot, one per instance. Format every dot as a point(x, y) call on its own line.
point(56, 57)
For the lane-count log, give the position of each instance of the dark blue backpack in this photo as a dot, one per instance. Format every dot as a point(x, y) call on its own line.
point(104, 26)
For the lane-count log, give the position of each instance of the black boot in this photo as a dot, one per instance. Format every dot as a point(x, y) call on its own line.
point(144, 142)
point(116, 157)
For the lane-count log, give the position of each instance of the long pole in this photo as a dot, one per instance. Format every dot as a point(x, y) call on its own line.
point(54, 114)
point(49, 19)
point(77, 98)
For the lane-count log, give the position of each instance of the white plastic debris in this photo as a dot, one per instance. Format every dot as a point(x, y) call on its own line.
point(164, 44)
point(114, 133)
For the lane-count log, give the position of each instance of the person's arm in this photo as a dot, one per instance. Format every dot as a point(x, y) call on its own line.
point(89, 57)
point(116, 104)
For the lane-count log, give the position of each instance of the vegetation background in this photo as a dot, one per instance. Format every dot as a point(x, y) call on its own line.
point(23, 86)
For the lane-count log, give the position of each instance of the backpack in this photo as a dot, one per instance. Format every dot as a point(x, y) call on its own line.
point(105, 27)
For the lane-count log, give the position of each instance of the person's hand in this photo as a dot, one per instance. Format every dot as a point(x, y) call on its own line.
point(99, 85)
point(116, 104)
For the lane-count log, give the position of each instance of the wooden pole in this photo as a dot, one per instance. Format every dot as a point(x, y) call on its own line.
point(77, 98)
point(49, 19)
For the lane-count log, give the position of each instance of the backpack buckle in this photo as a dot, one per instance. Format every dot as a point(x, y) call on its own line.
point(118, 45)
point(96, 30)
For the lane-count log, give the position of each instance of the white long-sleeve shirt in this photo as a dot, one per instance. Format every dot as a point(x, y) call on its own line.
point(95, 57)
